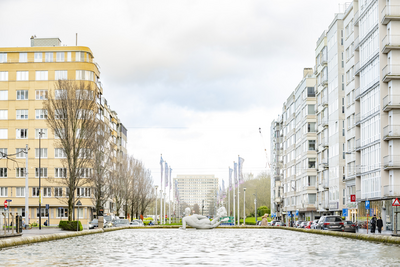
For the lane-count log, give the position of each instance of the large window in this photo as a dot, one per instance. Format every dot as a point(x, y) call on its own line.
point(44, 213)
point(40, 114)
point(311, 127)
point(42, 75)
point(43, 131)
point(23, 57)
point(3, 76)
point(3, 57)
point(20, 153)
point(20, 172)
point(47, 191)
point(49, 57)
point(60, 172)
point(59, 153)
point(22, 114)
point(62, 212)
point(22, 75)
point(311, 144)
point(22, 94)
point(3, 191)
point(41, 94)
point(3, 172)
point(22, 133)
point(61, 75)
point(310, 92)
point(35, 191)
point(20, 191)
point(43, 172)
point(43, 152)
point(58, 192)
point(3, 114)
point(60, 56)
point(311, 163)
point(38, 57)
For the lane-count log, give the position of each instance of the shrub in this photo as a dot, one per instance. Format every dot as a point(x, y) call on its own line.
point(262, 210)
point(70, 225)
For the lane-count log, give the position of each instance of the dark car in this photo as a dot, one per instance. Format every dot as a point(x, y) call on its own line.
point(349, 226)
point(273, 223)
point(331, 223)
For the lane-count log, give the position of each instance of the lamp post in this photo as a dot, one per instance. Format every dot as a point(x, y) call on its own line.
point(244, 206)
point(255, 206)
point(156, 202)
point(40, 190)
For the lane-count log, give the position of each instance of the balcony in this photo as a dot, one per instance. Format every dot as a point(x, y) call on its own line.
point(358, 195)
point(391, 102)
point(391, 162)
point(390, 12)
point(358, 119)
point(324, 81)
point(357, 43)
point(358, 145)
point(325, 142)
point(357, 69)
point(391, 190)
point(391, 42)
point(325, 183)
point(325, 122)
point(358, 170)
point(357, 93)
point(391, 132)
point(324, 100)
point(390, 72)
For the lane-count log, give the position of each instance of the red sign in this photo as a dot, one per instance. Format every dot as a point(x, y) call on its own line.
point(396, 203)
point(352, 198)
point(5, 204)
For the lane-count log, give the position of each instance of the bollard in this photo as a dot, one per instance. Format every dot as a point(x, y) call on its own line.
point(100, 221)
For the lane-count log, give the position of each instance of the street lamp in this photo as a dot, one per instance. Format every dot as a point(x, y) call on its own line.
point(156, 202)
point(40, 193)
point(244, 206)
point(255, 206)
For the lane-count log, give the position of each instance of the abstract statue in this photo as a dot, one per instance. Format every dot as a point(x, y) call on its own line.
point(202, 222)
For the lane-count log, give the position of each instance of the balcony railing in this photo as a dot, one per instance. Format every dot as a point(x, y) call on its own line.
point(390, 12)
point(389, 71)
point(390, 42)
point(391, 132)
point(325, 141)
point(325, 183)
point(391, 162)
point(391, 190)
point(324, 121)
point(324, 80)
point(324, 100)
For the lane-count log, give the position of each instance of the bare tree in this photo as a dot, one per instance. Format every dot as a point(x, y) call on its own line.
point(71, 110)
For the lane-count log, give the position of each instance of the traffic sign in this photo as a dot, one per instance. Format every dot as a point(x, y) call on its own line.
point(297, 212)
point(352, 198)
point(396, 203)
point(5, 204)
point(345, 212)
point(8, 200)
point(79, 203)
point(367, 204)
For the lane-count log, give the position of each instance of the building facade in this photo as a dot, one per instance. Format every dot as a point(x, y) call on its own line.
point(27, 76)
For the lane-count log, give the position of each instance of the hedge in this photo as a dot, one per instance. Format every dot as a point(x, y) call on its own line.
point(70, 225)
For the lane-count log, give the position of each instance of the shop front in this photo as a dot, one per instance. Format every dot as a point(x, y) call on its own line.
point(380, 208)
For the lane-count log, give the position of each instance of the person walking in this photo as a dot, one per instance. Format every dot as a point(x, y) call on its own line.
point(379, 224)
point(373, 224)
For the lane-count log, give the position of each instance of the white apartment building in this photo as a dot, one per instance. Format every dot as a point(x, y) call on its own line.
point(194, 189)
point(294, 163)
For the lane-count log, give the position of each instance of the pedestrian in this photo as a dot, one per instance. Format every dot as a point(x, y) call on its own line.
point(379, 223)
point(373, 224)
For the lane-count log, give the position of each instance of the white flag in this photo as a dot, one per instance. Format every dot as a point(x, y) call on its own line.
point(235, 173)
point(230, 178)
point(166, 174)
point(161, 163)
point(241, 180)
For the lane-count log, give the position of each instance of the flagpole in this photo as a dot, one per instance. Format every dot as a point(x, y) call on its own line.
point(238, 198)
point(233, 192)
point(161, 191)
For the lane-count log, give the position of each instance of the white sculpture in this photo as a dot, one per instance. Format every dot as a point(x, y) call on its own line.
point(202, 222)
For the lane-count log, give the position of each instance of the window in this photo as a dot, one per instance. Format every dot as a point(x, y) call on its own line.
point(62, 213)
point(3, 114)
point(312, 198)
point(44, 212)
point(41, 94)
point(20, 153)
point(3, 151)
point(85, 172)
point(58, 192)
point(20, 172)
point(3, 172)
point(42, 75)
point(38, 57)
point(60, 56)
point(43, 172)
point(49, 57)
point(22, 95)
point(60, 133)
point(41, 114)
point(22, 114)
point(311, 127)
point(59, 153)
point(61, 74)
point(3, 133)
point(35, 191)
point(310, 92)
point(84, 94)
point(311, 144)
point(43, 152)
point(47, 191)
point(3, 57)
point(59, 94)
point(43, 131)
point(60, 172)
point(85, 153)
point(83, 192)
point(22, 133)
point(69, 56)
point(3, 95)
point(20, 191)
point(3, 191)
point(311, 163)
point(84, 75)
point(23, 57)
point(3, 76)
point(311, 109)
point(79, 56)
point(60, 114)
point(22, 75)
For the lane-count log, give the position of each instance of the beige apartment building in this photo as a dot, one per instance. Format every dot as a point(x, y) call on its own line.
point(27, 75)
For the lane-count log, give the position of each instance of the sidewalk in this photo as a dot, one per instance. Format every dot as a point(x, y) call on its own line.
point(384, 232)
point(43, 231)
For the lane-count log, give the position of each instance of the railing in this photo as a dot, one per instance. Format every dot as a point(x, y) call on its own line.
point(325, 183)
point(391, 131)
point(391, 190)
point(324, 80)
point(324, 121)
point(324, 100)
point(390, 10)
point(393, 69)
point(365, 87)
point(357, 118)
point(391, 161)
point(391, 40)
point(325, 141)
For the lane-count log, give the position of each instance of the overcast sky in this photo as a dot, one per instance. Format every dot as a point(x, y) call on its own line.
point(191, 79)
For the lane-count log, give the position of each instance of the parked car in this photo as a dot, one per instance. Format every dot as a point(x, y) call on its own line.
point(108, 221)
point(273, 223)
point(280, 224)
point(137, 223)
point(121, 222)
point(349, 226)
point(331, 223)
point(303, 224)
point(308, 225)
point(314, 224)
point(297, 223)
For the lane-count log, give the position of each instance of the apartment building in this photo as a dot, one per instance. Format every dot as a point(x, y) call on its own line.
point(27, 75)
point(294, 153)
point(194, 189)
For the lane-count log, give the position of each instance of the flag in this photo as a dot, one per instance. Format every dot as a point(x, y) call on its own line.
point(230, 178)
point(241, 180)
point(166, 174)
point(235, 174)
point(161, 163)
point(223, 189)
point(170, 181)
